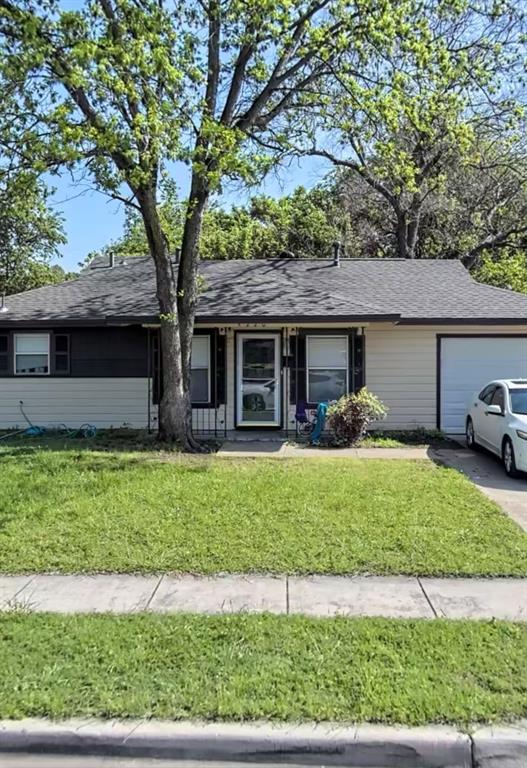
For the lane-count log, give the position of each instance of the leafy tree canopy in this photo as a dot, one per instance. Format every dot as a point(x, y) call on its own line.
point(508, 271)
point(479, 207)
point(30, 234)
point(304, 224)
point(417, 120)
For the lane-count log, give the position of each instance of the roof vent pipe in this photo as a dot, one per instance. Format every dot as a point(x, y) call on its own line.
point(336, 253)
point(3, 308)
point(112, 259)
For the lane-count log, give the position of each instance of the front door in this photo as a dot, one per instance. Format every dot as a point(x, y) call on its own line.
point(258, 380)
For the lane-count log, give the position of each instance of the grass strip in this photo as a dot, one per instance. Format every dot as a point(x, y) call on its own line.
point(246, 667)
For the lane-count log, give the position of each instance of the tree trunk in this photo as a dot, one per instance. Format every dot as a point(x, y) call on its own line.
point(407, 233)
point(187, 285)
point(175, 410)
point(412, 237)
point(401, 235)
point(413, 225)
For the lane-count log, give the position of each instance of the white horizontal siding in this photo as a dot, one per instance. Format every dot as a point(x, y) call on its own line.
point(401, 368)
point(112, 402)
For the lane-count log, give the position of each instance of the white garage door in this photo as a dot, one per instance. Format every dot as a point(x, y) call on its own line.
point(467, 364)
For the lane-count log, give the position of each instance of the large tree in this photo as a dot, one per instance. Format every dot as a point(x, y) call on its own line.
point(127, 86)
point(430, 124)
point(477, 206)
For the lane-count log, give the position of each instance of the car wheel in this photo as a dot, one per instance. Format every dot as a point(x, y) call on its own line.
point(471, 435)
point(509, 459)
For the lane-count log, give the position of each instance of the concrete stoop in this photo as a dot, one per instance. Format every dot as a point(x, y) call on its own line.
point(356, 746)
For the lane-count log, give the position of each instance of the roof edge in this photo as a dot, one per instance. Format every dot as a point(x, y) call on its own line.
point(218, 319)
point(352, 318)
point(226, 319)
point(463, 321)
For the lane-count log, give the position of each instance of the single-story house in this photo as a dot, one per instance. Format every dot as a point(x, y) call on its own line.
point(270, 335)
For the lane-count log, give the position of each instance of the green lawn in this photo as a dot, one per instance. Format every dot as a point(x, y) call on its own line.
point(71, 510)
point(407, 439)
point(243, 667)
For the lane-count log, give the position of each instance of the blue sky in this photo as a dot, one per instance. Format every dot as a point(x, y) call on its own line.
point(91, 220)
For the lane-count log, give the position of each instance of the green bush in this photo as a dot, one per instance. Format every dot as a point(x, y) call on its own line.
point(349, 417)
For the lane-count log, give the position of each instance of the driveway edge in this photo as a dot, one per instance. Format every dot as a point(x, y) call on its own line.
point(359, 746)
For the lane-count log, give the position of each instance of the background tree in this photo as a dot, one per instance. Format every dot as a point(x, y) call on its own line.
point(126, 86)
point(30, 234)
point(507, 271)
point(424, 121)
point(304, 224)
point(478, 206)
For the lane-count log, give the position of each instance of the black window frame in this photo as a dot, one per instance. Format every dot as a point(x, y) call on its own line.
point(62, 354)
point(217, 368)
point(5, 370)
point(345, 335)
point(297, 360)
point(9, 370)
point(46, 374)
point(210, 370)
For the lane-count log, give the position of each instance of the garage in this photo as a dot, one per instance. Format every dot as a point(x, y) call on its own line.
point(466, 364)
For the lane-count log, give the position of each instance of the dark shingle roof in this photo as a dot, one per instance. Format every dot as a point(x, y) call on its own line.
point(280, 290)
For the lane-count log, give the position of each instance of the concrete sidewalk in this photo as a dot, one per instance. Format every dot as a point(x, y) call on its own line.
point(389, 596)
point(284, 450)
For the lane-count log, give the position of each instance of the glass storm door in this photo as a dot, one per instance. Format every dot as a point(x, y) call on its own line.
point(258, 380)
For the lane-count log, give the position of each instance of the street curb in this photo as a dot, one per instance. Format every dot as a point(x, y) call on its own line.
point(501, 746)
point(361, 746)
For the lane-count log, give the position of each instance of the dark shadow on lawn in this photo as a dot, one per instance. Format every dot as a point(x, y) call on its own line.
point(107, 441)
point(94, 459)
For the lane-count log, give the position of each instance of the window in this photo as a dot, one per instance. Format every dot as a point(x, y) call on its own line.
point(327, 368)
point(486, 394)
point(519, 401)
point(498, 398)
point(32, 354)
point(200, 370)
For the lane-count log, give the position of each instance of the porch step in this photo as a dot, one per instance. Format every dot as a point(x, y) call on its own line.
point(260, 436)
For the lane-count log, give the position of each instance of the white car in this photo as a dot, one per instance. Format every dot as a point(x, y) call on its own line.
point(497, 420)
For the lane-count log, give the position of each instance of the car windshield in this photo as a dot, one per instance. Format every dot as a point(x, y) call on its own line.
point(519, 401)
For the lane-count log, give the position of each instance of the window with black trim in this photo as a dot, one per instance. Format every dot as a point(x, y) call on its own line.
point(327, 367)
point(31, 354)
point(4, 354)
point(200, 369)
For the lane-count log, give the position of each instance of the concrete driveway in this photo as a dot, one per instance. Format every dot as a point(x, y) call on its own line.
point(486, 471)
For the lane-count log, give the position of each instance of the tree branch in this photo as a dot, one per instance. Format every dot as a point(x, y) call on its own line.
point(213, 58)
